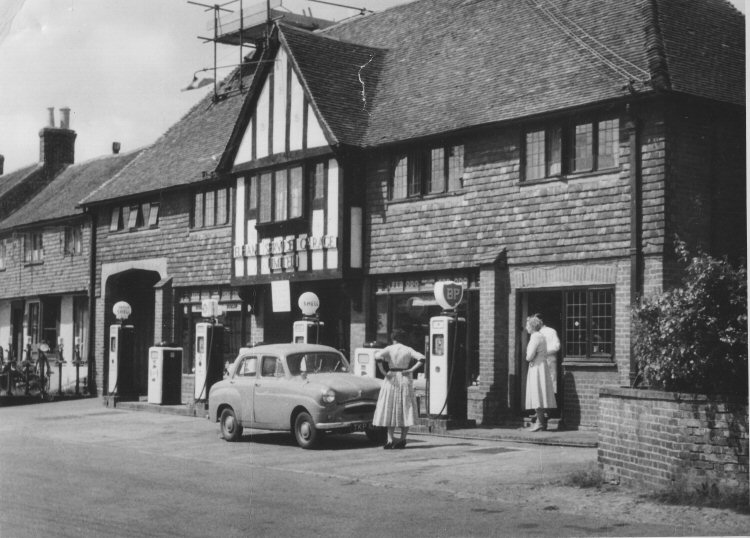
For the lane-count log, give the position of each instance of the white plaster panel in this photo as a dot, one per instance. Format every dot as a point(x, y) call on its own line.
point(261, 122)
point(315, 136)
point(239, 229)
point(279, 102)
point(318, 230)
point(332, 213)
point(252, 239)
point(245, 151)
point(296, 130)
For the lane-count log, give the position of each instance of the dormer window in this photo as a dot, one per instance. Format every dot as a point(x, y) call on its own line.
point(435, 170)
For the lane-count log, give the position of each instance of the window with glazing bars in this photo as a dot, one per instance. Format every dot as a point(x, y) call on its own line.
point(589, 323)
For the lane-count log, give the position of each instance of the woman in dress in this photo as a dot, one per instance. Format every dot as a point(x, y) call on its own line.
point(397, 404)
point(540, 394)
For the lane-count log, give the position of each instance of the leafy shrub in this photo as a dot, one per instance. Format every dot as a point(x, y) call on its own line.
point(694, 338)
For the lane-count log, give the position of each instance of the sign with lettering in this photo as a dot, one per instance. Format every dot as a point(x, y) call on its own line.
point(122, 310)
point(448, 294)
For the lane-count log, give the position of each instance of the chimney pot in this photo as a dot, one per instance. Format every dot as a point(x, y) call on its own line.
point(65, 118)
point(115, 147)
point(51, 111)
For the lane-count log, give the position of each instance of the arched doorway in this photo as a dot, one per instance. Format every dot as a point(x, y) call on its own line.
point(135, 287)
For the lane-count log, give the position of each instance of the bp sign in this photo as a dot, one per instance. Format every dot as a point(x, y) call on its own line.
point(448, 294)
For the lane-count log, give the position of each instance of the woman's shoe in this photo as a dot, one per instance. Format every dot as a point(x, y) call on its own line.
point(388, 446)
point(399, 444)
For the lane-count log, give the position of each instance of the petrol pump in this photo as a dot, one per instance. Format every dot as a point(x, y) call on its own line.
point(164, 374)
point(307, 330)
point(446, 390)
point(121, 352)
point(363, 362)
point(209, 350)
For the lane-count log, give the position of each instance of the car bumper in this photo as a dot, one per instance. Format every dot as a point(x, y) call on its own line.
point(348, 425)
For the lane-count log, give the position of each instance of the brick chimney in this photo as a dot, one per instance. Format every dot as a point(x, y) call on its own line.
point(2, 164)
point(57, 144)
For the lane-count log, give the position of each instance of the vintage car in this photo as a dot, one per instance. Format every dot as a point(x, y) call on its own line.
point(306, 389)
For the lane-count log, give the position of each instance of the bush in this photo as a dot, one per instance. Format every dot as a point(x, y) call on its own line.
point(694, 338)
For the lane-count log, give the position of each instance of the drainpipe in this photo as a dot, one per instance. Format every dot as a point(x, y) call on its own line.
point(92, 303)
point(635, 225)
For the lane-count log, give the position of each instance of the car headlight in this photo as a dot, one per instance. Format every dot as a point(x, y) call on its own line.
point(328, 397)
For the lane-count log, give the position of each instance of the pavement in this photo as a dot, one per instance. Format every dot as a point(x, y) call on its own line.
point(554, 436)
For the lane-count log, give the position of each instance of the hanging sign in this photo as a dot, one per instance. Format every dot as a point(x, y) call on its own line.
point(448, 294)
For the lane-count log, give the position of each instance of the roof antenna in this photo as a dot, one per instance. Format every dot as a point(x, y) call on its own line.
point(362, 10)
point(217, 8)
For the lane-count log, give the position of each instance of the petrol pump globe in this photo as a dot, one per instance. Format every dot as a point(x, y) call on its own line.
point(122, 310)
point(308, 302)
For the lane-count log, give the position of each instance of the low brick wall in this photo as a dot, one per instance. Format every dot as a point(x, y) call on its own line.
point(664, 439)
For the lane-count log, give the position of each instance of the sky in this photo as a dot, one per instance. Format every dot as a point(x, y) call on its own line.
point(119, 65)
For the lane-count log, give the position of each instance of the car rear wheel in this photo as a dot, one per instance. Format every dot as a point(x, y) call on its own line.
point(231, 429)
point(376, 434)
point(304, 430)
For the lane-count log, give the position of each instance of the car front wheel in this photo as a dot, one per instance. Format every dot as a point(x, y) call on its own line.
point(304, 430)
point(231, 429)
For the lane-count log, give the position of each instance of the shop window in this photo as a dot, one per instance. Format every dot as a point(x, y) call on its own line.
point(73, 243)
point(33, 322)
point(427, 171)
point(33, 249)
point(211, 207)
point(571, 147)
point(589, 324)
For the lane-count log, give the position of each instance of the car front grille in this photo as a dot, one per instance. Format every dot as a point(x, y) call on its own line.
point(358, 409)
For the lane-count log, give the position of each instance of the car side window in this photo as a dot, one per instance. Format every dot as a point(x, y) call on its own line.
point(249, 367)
point(270, 367)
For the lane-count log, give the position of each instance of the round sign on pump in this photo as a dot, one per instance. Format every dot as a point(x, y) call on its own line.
point(122, 310)
point(308, 302)
point(448, 294)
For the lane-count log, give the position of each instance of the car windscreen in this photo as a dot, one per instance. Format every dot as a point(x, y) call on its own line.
point(316, 363)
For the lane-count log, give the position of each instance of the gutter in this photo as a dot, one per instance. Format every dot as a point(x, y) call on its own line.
point(635, 224)
point(92, 303)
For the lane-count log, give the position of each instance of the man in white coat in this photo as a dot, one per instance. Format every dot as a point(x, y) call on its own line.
point(553, 346)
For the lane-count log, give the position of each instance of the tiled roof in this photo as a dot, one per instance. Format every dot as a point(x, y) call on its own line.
point(60, 197)
point(340, 79)
point(444, 65)
point(190, 147)
point(10, 180)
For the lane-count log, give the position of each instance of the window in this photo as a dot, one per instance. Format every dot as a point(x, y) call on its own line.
point(588, 146)
point(73, 243)
point(34, 322)
point(3, 253)
point(211, 208)
point(33, 250)
point(134, 217)
point(281, 195)
point(432, 171)
point(248, 367)
point(271, 367)
point(589, 324)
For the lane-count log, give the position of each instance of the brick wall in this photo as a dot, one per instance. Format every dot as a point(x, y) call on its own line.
point(660, 440)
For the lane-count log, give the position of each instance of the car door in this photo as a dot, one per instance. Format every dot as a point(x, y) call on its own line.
point(268, 399)
point(243, 381)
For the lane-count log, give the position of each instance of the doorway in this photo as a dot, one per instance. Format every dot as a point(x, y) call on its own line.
point(135, 287)
point(548, 304)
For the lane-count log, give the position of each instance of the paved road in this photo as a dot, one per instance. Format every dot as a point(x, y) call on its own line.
point(79, 469)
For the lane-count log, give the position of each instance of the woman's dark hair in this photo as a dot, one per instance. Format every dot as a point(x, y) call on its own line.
point(398, 335)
